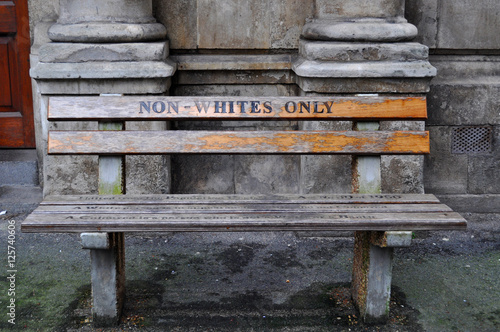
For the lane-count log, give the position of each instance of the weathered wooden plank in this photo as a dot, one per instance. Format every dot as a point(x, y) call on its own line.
point(188, 199)
point(238, 142)
point(241, 222)
point(240, 208)
point(234, 108)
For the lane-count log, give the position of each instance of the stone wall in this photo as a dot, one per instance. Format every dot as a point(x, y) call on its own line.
point(234, 24)
point(238, 47)
point(464, 100)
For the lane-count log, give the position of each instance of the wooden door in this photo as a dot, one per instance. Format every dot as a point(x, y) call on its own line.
point(16, 106)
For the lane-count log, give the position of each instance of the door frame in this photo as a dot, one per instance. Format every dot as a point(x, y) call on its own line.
point(17, 122)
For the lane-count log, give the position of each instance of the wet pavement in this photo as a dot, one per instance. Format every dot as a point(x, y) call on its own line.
point(446, 281)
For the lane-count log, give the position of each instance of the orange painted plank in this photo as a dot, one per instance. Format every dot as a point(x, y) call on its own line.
point(238, 142)
point(237, 108)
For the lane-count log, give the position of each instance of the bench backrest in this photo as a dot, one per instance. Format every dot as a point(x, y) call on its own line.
point(144, 108)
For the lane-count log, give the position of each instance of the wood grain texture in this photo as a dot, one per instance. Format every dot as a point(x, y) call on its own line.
point(5, 89)
point(190, 199)
point(22, 50)
point(7, 17)
point(11, 133)
point(262, 208)
point(237, 142)
point(286, 212)
point(237, 108)
point(14, 16)
point(278, 221)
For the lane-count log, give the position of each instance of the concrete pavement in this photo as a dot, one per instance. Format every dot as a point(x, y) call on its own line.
point(446, 281)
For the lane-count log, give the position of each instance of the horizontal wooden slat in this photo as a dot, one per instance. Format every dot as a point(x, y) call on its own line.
point(239, 208)
point(238, 142)
point(281, 212)
point(187, 199)
point(237, 108)
point(241, 222)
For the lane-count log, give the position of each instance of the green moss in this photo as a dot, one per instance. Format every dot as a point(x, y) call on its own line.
point(113, 188)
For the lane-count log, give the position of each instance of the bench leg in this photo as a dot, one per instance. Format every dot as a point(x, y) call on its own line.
point(107, 257)
point(371, 278)
point(372, 272)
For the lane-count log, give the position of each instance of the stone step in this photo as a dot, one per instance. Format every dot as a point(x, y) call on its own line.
point(19, 199)
point(18, 167)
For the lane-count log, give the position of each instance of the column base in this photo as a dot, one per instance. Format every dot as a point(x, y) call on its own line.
point(364, 85)
point(132, 77)
point(104, 32)
point(369, 30)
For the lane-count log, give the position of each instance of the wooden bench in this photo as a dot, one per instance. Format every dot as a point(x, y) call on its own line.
point(381, 221)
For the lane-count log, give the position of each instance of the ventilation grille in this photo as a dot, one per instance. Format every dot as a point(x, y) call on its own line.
point(471, 140)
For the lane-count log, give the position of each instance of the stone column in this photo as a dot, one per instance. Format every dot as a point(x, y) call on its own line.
point(103, 47)
point(358, 46)
point(354, 47)
point(364, 47)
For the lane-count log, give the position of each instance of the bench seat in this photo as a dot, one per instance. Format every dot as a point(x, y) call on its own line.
point(317, 212)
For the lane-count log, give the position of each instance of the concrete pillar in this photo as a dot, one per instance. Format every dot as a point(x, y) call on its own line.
point(371, 279)
point(364, 47)
point(354, 47)
point(107, 261)
point(372, 272)
point(104, 47)
point(106, 21)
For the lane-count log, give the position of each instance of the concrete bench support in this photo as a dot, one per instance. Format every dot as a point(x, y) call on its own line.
point(372, 272)
point(107, 259)
point(372, 264)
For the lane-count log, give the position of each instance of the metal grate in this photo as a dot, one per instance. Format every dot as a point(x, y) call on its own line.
point(471, 140)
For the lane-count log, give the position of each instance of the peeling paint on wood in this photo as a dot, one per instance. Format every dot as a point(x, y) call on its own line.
point(237, 142)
